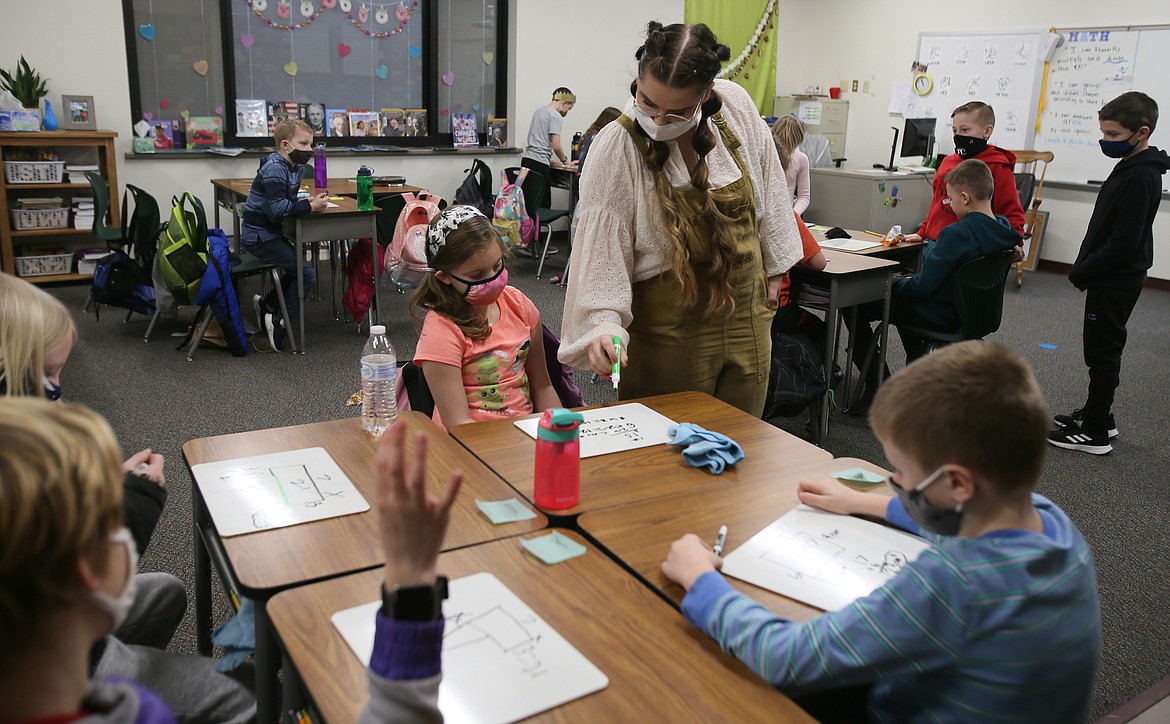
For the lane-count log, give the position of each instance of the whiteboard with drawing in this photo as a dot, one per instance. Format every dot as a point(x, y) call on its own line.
point(614, 429)
point(501, 662)
point(824, 559)
point(245, 495)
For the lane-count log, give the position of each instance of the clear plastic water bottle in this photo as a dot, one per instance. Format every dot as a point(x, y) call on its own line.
point(379, 369)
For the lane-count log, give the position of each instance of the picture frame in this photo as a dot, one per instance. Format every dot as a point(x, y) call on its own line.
point(1032, 245)
point(77, 113)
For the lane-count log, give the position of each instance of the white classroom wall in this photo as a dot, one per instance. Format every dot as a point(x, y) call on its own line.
point(587, 46)
point(825, 41)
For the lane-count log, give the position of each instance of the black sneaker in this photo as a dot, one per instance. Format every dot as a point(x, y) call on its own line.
point(1074, 437)
point(1078, 417)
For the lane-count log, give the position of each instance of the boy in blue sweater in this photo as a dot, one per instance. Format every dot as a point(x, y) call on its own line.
point(927, 299)
point(997, 621)
point(271, 200)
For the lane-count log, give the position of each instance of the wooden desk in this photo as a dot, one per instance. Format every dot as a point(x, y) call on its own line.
point(852, 279)
point(260, 564)
point(908, 253)
point(649, 472)
point(659, 667)
point(640, 535)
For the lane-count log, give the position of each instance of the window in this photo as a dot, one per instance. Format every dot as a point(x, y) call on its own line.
point(353, 69)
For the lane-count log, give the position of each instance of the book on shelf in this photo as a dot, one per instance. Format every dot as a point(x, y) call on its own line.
point(251, 118)
point(497, 132)
point(338, 120)
point(393, 122)
point(416, 122)
point(364, 123)
point(463, 130)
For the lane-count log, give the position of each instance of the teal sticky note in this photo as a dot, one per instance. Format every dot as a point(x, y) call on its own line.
point(858, 475)
point(553, 548)
point(504, 511)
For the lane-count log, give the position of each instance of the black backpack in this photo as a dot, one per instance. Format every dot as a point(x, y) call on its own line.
point(797, 377)
point(476, 189)
point(120, 281)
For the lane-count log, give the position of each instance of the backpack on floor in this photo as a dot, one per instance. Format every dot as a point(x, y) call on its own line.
point(119, 281)
point(476, 189)
point(510, 214)
point(797, 377)
point(183, 250)
point(406, 257)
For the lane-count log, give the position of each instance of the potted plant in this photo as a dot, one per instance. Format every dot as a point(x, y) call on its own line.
point(29, 88)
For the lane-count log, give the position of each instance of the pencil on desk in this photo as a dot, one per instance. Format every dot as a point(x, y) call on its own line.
point(880, 236)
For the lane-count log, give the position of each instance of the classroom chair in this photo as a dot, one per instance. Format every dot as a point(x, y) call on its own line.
point(248, 266)
point(979, 287)
point(138, 236)
point(101, 207)
point(1027, 184)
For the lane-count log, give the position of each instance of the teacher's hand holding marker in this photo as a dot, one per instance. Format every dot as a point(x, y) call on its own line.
point(607, 355)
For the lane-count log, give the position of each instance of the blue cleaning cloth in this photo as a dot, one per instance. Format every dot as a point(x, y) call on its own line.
point(703, 448)
point(237, 636)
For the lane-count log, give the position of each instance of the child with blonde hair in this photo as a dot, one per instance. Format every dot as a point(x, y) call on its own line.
point(788, 133)
point(482, 344)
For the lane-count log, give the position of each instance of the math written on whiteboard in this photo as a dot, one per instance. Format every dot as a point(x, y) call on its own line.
point(614, 429)
point(246, 495)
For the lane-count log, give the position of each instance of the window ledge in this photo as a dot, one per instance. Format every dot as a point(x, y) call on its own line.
point(333, 153)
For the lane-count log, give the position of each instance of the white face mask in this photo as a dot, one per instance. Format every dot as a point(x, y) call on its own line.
point(118, 607)
point(671, 130)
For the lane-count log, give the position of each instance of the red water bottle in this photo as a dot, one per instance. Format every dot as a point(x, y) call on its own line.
point(558, 459)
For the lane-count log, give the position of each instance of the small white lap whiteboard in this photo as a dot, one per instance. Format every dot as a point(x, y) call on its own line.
point(245, 495)
point(614, 429)
point(849, 244)
point(824, 559)
point(501, 662)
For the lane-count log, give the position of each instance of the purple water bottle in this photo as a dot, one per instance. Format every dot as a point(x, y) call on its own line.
point(320, 172)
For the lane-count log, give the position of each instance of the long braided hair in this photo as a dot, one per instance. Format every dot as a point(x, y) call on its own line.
point(689, 56)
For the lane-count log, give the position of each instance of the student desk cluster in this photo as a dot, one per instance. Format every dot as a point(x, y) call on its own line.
point(609, 604)
point(341, 220)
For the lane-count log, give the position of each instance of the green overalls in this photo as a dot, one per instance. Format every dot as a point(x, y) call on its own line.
point(675, 349)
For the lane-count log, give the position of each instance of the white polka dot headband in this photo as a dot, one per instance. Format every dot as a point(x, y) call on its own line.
point(447, 222)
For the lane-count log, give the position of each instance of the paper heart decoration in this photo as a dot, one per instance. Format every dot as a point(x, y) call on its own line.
point(247, 40)
point(449, 78)
point(382, 71)
point(147, 31)
point(290, 67)
point(164, 104)
point(148, 116)
point(475, 107)
point(442, 111)
point(414, 51)
point(344, 50)
point(185, 114)
point(219, 110)
point(488, 57)
point(200, 67)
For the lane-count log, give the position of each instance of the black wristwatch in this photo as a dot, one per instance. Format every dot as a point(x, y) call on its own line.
point(417, 602)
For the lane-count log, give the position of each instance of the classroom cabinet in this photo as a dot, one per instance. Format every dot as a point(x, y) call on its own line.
point(25, 237)
point(873, 199)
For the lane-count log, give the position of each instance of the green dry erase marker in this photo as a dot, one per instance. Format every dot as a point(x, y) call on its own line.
point(616, 371)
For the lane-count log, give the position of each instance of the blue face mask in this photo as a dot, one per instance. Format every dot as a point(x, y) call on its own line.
point(1118, 149)
point(941, 521)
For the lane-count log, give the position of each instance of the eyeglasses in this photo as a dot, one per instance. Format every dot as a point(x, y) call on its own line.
point(670, 117)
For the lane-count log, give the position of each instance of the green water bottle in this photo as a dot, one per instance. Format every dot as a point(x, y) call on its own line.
point(365, 188)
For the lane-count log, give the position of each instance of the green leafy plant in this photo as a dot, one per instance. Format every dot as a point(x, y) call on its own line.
point(25, 83)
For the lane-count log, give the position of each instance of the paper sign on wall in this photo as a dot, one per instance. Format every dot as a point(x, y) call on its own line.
point(614, 429)
point(501, 661)
point(810, 112)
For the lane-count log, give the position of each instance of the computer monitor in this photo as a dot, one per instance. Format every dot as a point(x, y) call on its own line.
point(918, 137)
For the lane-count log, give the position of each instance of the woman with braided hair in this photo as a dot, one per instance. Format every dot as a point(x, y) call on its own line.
point(684, 230)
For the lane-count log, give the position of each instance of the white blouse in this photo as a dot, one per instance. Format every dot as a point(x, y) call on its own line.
point(619, 236)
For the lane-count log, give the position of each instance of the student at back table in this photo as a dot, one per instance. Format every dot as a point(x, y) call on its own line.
point(972, 124)
point(997, 621)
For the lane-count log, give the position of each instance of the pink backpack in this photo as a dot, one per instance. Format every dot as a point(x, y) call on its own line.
point(406, 257)
point(510, 214)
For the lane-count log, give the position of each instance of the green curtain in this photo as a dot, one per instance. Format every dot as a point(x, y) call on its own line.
point(734, 22)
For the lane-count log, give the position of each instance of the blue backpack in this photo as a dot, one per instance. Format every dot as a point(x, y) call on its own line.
point(119, 281)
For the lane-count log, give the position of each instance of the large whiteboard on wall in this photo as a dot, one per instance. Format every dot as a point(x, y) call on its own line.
point(1000, 69)
point(1092, 67)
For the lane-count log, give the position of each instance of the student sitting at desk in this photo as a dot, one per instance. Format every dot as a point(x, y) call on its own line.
point(998, 620)
point(926, 299)
point(788, 133)
point(271, 200)
point(972, 124)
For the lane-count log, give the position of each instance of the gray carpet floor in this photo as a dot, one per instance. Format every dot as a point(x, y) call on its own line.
point(154, 398)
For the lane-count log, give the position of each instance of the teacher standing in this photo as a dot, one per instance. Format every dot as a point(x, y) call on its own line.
point(684, 230)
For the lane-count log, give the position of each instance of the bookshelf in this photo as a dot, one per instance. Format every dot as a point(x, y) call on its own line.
point(73, 146)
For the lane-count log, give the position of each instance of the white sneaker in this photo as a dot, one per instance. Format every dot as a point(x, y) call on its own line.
point(270, 328)
point(259, 312)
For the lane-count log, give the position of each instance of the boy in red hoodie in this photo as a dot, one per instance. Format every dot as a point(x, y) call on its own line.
point(972, 124)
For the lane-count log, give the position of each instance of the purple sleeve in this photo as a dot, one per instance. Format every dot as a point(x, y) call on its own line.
point(407, 650)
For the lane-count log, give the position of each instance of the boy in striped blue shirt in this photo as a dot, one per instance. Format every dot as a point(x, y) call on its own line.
point(998, 621)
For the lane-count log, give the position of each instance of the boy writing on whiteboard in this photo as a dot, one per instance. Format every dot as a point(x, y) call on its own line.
point(1111, 266)
point(998, 619)
point(972, 124)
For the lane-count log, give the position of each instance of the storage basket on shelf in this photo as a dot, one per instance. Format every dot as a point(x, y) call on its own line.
point(32, 219)
point(39, 266)
point(34, 172)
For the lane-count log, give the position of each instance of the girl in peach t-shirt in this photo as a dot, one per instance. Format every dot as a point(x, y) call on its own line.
point(482, 344)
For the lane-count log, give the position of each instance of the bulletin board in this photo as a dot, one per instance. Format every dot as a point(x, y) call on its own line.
point(1093, 66)
point(1001, 69)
